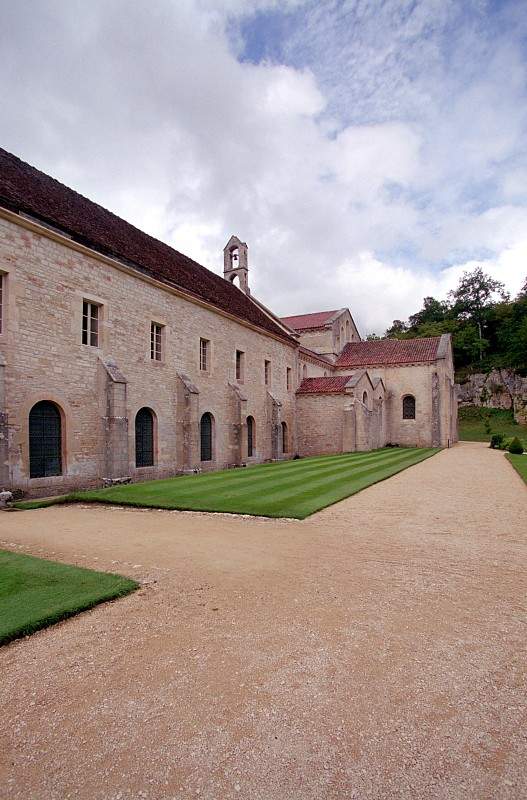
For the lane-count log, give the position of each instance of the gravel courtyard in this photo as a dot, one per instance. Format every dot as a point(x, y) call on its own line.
point(374, 650)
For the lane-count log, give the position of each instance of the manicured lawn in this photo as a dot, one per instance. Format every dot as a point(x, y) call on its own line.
point(35, 593)
point(519, 463)
point(472, 425)
point(287, 489)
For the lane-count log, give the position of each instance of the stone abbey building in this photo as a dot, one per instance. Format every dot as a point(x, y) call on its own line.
point(121, 357)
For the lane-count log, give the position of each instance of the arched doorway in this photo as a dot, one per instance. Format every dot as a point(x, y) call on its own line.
point(206, 436)
point(144, 438)
point(45, 440)
point(250, 437)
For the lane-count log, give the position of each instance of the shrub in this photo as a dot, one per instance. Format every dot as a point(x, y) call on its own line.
point(496, 441)
point(516, 447)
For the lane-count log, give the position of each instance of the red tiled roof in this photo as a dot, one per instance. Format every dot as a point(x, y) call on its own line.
point(302, 322)
point(26, 189)
point(331, 385)
point(388, 351)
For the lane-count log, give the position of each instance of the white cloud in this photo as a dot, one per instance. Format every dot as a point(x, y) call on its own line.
point(371, 141)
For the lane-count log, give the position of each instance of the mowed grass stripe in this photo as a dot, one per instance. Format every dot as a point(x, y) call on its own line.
point(292, 489)
point(192, 486)
point(315, 477)
point(199, 495)
point(350, 482)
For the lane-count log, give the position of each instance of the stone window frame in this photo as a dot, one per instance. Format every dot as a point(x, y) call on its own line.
point(267, 372)
point(212, 459)
point(409, 410)
point(153, 416)
point(288, 379)
point(90, 302)
point(239, 366)
point(68, 432)
point(284, 438)
point(251, 436)
point(204, 354)
point(157, 342)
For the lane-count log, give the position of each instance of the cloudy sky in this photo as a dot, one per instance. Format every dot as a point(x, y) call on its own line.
point(368, 151)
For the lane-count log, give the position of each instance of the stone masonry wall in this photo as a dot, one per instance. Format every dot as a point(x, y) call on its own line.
point(45, 360)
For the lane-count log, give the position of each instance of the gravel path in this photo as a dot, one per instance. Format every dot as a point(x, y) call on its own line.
point(375, 650)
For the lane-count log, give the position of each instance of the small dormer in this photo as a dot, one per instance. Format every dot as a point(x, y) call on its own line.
point(235, 264)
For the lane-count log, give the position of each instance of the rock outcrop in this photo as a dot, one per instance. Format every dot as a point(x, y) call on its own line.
point(501, 388)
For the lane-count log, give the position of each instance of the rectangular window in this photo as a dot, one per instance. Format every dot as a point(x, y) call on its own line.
point(267, 372)
point(2, 286)
point(156, 332)
point(204, 354)
point(90, 323)
point(288, 378)
point(239, 365)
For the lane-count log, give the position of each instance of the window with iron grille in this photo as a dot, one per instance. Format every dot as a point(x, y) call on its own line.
point(250, 436)
point(90, 323)
point(45, 440)
point(240, 358)
point(206, 436)
point(144, 438)
point(409, 407)
point(2, 284)
point(156, 332)
point(267, 372)
point(204, 354)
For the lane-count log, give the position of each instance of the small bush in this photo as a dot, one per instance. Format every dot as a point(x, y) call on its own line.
point(515, 447)
point(496, 441)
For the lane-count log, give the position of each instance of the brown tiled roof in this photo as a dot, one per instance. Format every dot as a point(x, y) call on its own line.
point(25, 189)
point(331, 385)
point(302, 322)
point(388, 351)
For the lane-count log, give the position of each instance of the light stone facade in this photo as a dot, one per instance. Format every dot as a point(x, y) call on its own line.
point(98, 390)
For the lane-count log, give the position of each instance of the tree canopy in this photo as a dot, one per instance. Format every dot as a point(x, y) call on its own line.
point(488, 328)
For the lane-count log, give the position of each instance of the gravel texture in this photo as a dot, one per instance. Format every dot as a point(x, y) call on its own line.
point(375, 650)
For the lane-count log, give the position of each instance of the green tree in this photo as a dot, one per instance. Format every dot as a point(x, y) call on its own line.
point(398, 327)
point(432, 311)
point(474, 295)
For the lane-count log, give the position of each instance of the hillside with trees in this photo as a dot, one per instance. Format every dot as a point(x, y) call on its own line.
point(489, 329)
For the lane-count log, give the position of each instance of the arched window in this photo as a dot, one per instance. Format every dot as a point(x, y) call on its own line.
point(206, 436)
point(347, 330)
point(365, 398)
point(409, 407)
point(250, 437)
point(285, 443)
point(304, 371)
point(144, 438)
point(45, 440)
point(235, 258)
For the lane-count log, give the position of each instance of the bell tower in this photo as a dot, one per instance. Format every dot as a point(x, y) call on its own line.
point(235, 263)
